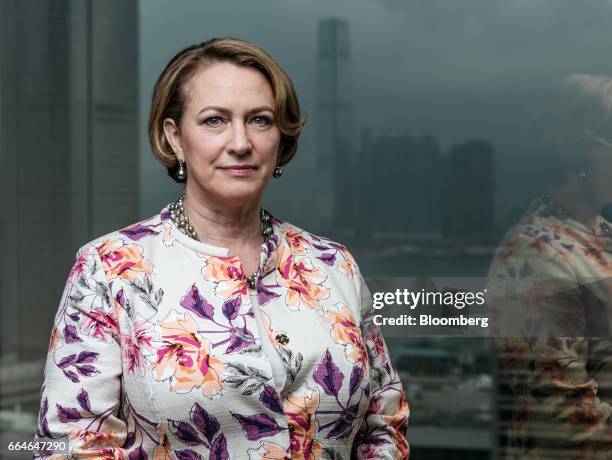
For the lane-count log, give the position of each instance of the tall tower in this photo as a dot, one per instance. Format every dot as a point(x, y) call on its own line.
point(336, 165)
point(470, 193)
point(405, 178)
point(68, 149)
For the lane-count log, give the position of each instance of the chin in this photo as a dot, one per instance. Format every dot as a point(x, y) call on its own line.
point(238, 194)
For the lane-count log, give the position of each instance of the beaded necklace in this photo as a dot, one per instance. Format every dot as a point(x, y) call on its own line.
point(180, 219)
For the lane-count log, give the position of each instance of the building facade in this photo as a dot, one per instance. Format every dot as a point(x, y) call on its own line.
point(68, 150)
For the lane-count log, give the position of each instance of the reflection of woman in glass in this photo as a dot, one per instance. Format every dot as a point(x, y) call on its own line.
point(550, 286)
point(214, 330)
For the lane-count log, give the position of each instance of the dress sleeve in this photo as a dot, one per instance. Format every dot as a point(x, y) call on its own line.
point(382, 434)
point(546, 356)
point(80, 395)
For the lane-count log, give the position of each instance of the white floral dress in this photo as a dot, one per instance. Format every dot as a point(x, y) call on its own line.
point(156, 353)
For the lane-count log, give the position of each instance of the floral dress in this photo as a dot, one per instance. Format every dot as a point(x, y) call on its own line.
point(550, 294)
point(155, 353)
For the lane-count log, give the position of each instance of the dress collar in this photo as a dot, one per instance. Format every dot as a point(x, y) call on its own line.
point(268, 247)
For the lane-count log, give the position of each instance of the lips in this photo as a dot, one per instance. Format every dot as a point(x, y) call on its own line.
point(239, 170)
point(239, 167)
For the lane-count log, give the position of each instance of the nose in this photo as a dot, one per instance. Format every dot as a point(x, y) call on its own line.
point(239, 143)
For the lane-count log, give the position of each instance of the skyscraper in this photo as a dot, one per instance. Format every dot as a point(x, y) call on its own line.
point(470, 194)
point(336, 164)
point(68, 149)
point(404, 187)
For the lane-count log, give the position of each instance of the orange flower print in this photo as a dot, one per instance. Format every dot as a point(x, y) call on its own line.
point(228, 273)
point(583, 416)
point(271, 333)
point(55, 340)
point(104, 453)
point(571, 235)
point(267, 451)
point(345, 332)
point(184, 357)
point(300, 409)
point(163, 451)
point(97, 445)
point(599, 255)
point(122, 260)
point(347, 267)
point(296, 240)
point(398, 421)
point(577, 246)
point(303, 280)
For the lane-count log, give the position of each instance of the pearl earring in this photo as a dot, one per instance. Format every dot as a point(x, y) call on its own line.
point(277, 172)
point(180, 174)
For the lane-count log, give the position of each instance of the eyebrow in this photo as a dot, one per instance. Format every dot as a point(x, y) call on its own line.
point(260, 108)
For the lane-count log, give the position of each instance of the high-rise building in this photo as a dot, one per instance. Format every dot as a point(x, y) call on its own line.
point(403, 191)
point(68, 149)
point(470, 194)
point(336, 163)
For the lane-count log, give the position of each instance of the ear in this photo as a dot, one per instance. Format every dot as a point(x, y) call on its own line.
point(173, 137)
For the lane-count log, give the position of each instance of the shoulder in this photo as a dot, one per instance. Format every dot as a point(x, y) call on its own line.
point(538, 240)
point(136, 232)
point(124, 248)
point(330, 254)
point(323, 258)
point(310, 239)
point(540, 231)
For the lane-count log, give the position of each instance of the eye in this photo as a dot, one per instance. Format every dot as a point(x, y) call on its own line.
point(213, 121)
point(261, 120)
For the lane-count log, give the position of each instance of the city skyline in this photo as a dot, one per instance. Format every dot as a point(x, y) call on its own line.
point(457, 74)
point(69, 148)
point(413, 153)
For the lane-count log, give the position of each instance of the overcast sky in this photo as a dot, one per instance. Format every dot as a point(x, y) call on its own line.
point(456, 69)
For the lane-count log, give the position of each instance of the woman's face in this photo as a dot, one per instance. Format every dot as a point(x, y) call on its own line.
point(227, 136)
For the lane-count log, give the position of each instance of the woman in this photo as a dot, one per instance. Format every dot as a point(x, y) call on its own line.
point(551, 288)
point(214, 330)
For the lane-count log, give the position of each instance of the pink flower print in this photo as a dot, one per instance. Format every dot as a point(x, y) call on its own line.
point(185, 357)
point(125, 261)
point(99, 325)
point(135, 347)
point(228, 273)
point(303, 280)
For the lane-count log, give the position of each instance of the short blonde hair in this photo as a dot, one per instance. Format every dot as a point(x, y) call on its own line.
point(169, 93)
